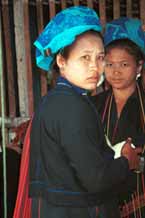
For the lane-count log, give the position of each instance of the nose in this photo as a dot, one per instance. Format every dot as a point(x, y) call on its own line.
point(116, 69)
point(93, 64)
point(97, 64)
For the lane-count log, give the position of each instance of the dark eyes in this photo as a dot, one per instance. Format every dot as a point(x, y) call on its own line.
point(124, 64)
point(108, 64)
point(100, 58)
point(88, 58)
point(112, 65)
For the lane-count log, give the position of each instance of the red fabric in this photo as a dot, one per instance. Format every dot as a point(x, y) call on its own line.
point(23, 202)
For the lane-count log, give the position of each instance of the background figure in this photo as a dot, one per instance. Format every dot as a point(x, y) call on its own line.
point(71, 166)
point(122, 107)
point(131, 28)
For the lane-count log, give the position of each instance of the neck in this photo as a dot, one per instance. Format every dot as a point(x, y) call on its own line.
point(121, 97)
point(123, 94)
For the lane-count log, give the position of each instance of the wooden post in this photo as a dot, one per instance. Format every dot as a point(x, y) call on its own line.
point(90, 3)
point(21, 58)
point(27, 46)
point(129, 8)
point(76, 2)
point(116, 9)
point(63, 4)
point(9, 61)
point(102, 11)
point(39, 9)
point(142, 10)
point(52, 8)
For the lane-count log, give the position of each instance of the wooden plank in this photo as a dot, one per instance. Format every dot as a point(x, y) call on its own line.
point(52, 11)
point(129, 8)
point(9, 61)
point(63, 4)
point(27, 46)
point(102, 11)
point(20, 55)
point(76, 2)
point(13, 122)
point(116, 9)
point(90, 3)
point(39, 9)
point(142, 10)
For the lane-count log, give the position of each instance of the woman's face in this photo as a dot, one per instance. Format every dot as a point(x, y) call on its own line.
point(121, 68)
point(85, 61)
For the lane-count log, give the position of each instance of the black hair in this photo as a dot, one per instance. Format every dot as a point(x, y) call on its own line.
point(127, 45)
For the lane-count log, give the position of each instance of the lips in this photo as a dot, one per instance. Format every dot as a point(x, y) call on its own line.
point(93, 79)
point(117, 80)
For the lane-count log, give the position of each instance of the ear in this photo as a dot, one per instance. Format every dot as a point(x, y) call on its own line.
point(60, 61)
point(140, 66)
point(139, 69)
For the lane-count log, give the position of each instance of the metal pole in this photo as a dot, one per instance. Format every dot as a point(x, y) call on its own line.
point(3, 121)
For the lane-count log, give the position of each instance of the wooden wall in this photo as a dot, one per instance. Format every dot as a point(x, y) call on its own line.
point(22, 20)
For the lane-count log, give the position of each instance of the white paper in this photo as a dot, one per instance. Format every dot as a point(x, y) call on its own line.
point(117, 147)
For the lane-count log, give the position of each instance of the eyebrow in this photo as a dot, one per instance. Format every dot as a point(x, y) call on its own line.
point(116, 61)
point(89, 51)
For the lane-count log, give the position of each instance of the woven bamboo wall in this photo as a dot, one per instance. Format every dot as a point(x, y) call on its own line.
point(22, 20)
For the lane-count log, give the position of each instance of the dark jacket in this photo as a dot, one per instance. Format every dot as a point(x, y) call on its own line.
point(130, 123)
point(70, 163)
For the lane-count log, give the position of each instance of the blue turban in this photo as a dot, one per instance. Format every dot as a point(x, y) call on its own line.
point(125, 27)
point(62, 30)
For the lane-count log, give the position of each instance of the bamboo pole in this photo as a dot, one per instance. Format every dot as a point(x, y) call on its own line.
point(3, 123)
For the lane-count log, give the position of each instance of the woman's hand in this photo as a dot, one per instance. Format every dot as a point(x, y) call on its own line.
point(132, 154)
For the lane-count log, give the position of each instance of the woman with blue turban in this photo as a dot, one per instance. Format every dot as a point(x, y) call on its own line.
point(71, 166)
point(122, 107)
point(131, 28)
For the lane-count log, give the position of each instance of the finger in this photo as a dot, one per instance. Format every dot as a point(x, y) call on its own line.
point(129, 140)
point(138, 150)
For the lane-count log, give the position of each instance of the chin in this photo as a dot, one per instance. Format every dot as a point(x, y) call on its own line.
point(93, 86)
point(117, 87)
point(90, 86)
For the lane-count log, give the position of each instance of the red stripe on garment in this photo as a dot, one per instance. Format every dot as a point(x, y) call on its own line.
point(23, 202)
